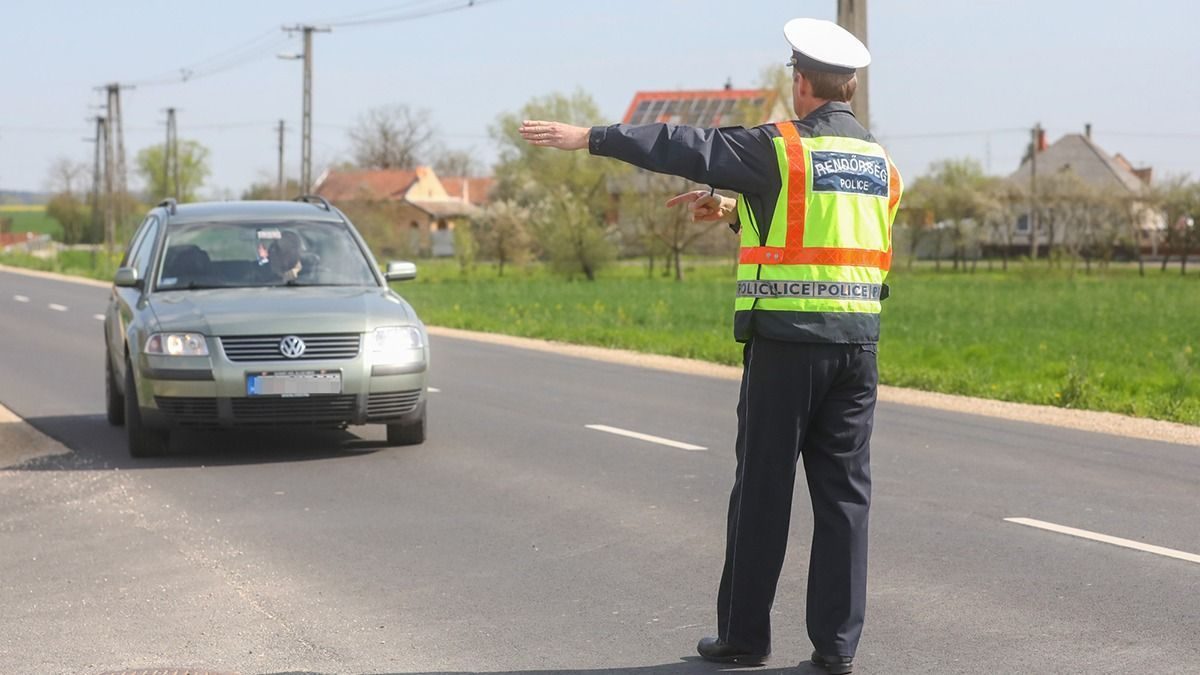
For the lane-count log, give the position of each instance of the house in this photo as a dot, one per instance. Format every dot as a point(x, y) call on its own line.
point(706, 107)
point(1108, 174)
point(414, 203)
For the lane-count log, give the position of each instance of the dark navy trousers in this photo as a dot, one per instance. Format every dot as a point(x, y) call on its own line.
point(816, 403)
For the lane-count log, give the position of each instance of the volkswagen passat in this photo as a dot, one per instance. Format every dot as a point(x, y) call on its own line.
point(245, 314)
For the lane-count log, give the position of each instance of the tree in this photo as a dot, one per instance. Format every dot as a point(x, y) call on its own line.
point(953, 192)
point(66, 205)
point(268, 190)
point(466, 248)
point(1179, 199)
point(567, 191)
point(193, 170)
point(642, 207)
point(455, 163)
point(570, 235)
point(391, 137)
point(504, 234)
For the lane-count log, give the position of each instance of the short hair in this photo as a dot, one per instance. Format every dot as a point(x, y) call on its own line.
point(831, 86)
point(285, 251)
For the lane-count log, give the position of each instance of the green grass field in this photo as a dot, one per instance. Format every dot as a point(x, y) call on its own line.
point(1112, 342)
point(30, 218)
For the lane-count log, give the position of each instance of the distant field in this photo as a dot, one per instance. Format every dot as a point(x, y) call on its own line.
point(1112, 342)
point(30, 218)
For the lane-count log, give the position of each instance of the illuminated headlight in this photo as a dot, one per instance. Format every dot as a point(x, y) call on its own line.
point(396, 343)
point(176, 344)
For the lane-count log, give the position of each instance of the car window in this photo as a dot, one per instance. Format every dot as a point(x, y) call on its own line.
point(134, 241)
point(228, 255)
point(145, 250)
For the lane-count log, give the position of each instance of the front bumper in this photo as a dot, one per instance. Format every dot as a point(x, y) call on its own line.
point(210, 392)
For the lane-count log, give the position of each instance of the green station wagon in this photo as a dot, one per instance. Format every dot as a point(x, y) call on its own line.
point(250, 314)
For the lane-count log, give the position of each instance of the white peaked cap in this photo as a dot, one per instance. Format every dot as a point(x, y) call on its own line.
point(825, 46)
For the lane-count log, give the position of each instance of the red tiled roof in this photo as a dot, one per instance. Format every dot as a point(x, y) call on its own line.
point(702, 108)
point(478, 189)
point(379, 184)
point(9, 238)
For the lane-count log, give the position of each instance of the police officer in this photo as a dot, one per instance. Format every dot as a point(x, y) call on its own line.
point(816, 200)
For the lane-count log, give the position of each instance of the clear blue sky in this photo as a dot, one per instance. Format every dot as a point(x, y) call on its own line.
point(988, 68)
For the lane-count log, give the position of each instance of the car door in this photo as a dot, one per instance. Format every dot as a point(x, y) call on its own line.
point(123, 305)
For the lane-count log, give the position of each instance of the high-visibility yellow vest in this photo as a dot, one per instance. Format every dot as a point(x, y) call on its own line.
point(818, 274)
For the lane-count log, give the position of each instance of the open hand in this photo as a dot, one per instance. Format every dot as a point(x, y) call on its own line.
point(555, 134)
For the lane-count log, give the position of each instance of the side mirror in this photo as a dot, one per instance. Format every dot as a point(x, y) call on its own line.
point(127, 277)
point(400, 271)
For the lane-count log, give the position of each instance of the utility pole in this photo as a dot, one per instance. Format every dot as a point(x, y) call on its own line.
point(96, 173)
point(852, 15)
point(306, 125)
point(109, 197)
point(282, 185)
point(115, 165)
point(1035, 140)
point(171, 157)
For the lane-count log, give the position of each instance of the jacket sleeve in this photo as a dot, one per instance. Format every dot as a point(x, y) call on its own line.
point(730, 158)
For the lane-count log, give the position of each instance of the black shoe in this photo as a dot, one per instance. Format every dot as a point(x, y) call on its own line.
point(834, 665)
point(713, 649)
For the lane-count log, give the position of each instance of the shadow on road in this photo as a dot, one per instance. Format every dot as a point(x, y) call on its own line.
point(96, 445)
point(687, 665)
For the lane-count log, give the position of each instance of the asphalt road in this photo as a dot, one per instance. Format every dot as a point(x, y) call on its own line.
point(518, 540)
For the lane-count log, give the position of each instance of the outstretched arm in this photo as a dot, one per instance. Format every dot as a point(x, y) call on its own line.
point(732, 158)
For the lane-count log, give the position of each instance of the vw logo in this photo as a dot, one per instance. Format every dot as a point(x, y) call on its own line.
point(291, 347)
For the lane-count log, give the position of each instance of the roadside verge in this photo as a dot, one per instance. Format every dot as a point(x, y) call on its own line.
point(1082, 420)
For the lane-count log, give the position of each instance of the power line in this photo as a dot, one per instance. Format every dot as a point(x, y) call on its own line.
point(410, 16)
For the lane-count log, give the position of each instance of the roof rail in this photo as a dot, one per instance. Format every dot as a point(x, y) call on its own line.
point(315, 200)
point(168, 203)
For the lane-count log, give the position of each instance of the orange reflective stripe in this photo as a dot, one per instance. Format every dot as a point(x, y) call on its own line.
point(797, 187)
point(845, 257)
point(893, 187)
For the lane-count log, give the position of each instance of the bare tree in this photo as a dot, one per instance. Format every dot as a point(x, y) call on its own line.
point(459, 163)
point(66, 175)
point(391, 137)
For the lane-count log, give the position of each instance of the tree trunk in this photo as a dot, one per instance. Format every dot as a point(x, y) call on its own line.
point(678, 266)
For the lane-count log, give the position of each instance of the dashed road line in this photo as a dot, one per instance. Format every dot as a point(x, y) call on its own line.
point(433, 390)
point(1107, 539)
point(21, 298)
point(57, 307)
point(98, 317)
point(645, 437)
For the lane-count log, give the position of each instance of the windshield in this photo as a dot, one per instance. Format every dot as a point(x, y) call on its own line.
point(231, 255)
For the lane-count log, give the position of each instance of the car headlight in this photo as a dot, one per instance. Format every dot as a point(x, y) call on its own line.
point(176, 344)
point(396, 343)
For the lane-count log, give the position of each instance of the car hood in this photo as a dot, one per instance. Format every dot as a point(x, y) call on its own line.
point(280, 310)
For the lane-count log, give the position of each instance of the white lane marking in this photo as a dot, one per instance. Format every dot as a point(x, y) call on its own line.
point(56, 307)
point(98, 317)
point(21, 298)
point(1104, 538)
point(434, 390)
point(644, 437)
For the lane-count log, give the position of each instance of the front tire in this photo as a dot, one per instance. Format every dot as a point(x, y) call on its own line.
point(143, 441)
point(407, 433)
point(114, 403)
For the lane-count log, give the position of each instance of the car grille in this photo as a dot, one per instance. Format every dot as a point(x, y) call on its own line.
point(268, 410)
point(188, 411)
point(392, 404)
point(316, 347)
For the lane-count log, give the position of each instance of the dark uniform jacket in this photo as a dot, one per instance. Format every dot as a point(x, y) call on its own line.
point(744, 161)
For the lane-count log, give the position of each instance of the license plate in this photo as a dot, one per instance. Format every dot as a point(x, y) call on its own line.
point(294, 383)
